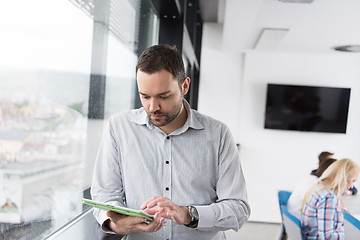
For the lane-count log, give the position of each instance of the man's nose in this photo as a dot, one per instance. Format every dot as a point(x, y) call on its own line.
point(154, 105)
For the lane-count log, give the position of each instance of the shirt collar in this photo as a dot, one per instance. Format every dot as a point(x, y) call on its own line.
point(192, 121)
point(140, 117)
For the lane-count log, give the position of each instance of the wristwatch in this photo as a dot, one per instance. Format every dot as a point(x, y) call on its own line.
point(194, 215)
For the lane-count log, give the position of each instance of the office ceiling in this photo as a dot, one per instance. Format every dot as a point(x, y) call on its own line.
point(282, 25)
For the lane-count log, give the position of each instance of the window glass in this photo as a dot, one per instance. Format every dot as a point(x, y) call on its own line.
point(139, 27)
point(47, 142)
point(120, 77)
point(44, 84)
point(186, 65)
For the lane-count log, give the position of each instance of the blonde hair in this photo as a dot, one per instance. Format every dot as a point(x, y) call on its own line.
point(335, 178)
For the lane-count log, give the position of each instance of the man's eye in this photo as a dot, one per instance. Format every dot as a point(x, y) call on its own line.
point(145, 97)
point(164, 97)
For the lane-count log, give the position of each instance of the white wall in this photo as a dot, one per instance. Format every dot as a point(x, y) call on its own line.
point(220, 83)
point(233, 89)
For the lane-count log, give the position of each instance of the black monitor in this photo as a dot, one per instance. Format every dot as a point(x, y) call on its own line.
point(307, 108)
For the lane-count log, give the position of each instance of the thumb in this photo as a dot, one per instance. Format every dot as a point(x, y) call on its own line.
point(111, 214)
point(114, 217)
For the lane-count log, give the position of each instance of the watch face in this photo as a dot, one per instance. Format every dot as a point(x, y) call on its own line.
point(194, 213)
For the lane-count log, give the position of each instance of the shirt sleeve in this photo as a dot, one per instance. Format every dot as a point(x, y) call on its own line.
point(231, 210)
point(330, 225)
point(107, 183)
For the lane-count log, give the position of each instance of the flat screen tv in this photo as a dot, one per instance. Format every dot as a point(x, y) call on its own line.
point(307, 108)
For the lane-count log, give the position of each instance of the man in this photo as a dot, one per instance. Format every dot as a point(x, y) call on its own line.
point(169, 161)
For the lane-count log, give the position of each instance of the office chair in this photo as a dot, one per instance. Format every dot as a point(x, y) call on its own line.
point(292, 224)
point(283, 197)
point(351, 227)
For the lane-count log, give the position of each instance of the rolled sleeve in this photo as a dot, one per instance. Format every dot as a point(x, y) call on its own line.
point(206, 218)
point(231, 210)
point(107, 184)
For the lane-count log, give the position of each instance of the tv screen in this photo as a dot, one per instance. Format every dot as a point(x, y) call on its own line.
point(307, 108)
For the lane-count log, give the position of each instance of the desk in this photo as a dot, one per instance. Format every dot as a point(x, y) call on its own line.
point(352, 203)
point(351, 226)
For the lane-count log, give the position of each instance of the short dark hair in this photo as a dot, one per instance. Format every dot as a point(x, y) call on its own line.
point(324, 155)
point(323, 166)
point(162, 57)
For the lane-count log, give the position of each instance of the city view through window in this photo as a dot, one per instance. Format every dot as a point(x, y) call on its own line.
point(44, 84)
point(45, 134)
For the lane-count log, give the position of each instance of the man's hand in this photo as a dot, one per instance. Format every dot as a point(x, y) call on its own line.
point(167, 209)
point(125, 225)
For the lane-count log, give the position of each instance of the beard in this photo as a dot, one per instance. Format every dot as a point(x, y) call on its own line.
point(166, 117)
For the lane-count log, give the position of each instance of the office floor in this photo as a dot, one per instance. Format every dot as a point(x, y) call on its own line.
point(256, 231)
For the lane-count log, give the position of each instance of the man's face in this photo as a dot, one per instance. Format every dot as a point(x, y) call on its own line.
point(160, 96)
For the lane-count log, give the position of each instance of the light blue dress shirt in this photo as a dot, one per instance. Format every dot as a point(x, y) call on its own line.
point(197, 164)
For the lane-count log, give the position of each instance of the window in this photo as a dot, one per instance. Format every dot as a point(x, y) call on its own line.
point(47, 143)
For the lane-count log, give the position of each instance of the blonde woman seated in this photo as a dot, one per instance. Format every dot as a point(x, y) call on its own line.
point(296, 199)
point(322, 215)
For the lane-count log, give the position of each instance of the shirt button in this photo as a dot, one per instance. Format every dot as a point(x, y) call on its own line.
point(167, 137)
point(167, 162)
point(167, 188)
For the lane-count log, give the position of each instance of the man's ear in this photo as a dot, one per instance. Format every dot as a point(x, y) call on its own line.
point(185, 85)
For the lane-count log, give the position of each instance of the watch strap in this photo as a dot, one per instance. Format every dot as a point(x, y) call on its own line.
point(194, 220)
point(192, 223)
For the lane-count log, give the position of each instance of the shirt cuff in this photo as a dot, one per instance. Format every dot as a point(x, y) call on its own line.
point(105, 228)
point(206, 217)
point(101, 217)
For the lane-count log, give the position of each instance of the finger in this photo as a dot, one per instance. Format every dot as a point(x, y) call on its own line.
point(152, 211)
point(167, 203)
point(164, 207)
point(143, 206)
point(165, 213)
point(156, 201)
point(162, 220)
point(156, 224)
point(145, 227)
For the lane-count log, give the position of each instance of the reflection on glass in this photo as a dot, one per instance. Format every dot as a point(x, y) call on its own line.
point(41, 148)
point(120, 80)
point(125, 41)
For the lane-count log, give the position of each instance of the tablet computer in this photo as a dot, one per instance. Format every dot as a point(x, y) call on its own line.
point(118, 209)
